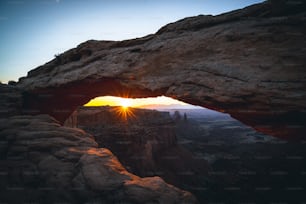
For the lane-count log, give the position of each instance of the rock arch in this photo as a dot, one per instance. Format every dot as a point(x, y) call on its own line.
point(249, 63)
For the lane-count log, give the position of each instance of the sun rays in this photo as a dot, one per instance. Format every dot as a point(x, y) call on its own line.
point(124, 112)
point(123, 108)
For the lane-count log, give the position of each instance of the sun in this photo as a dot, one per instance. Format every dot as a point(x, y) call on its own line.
point(123, 110)
point(125, 103)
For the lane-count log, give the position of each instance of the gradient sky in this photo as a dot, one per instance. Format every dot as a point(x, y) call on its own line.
point(33, 31)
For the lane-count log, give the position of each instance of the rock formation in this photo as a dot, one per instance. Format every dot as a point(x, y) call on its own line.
point(249, 63)
point(42, 161)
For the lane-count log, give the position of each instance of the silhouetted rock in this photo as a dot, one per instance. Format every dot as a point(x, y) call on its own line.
point(249, 63)
point(45, 162)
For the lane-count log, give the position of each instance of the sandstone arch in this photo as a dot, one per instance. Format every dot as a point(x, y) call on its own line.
point(249, 63)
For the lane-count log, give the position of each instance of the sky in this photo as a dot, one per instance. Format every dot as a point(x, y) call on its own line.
point(33, 31)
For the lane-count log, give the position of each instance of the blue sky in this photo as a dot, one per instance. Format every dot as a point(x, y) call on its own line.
point(33, 31)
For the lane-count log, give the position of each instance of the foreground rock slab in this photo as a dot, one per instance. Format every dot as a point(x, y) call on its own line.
point(42, 161)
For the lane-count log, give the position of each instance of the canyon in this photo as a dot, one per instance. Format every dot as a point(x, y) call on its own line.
point(145, 141)
point(137, 139)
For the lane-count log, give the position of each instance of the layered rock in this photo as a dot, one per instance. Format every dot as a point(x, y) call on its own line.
point(249, 63)
point(42, 161)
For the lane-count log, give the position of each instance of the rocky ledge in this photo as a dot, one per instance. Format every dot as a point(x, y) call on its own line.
point(42, 161)
point(249, 63)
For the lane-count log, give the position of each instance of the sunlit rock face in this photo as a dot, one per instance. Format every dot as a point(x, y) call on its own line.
point(45, 162)
point(249, 63)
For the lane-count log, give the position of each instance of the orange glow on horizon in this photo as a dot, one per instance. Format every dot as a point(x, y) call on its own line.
point(129, 102)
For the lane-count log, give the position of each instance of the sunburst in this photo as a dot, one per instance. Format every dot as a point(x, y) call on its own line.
point(124, 110)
